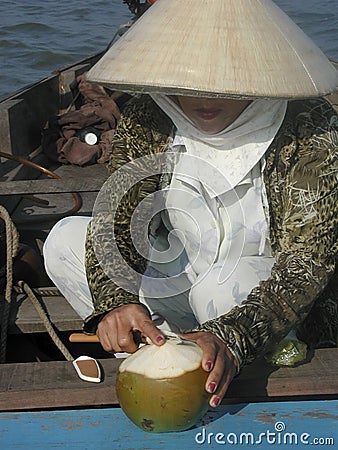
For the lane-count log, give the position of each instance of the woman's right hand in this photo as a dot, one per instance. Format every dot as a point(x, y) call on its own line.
point(117, 329)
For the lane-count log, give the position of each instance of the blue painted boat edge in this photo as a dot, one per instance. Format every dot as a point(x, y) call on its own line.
point(265, 425)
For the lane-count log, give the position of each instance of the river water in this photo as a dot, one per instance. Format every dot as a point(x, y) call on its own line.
point(39, 36)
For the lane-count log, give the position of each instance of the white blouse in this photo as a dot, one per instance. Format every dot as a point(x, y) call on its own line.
point(218, 248)
point(215, 211)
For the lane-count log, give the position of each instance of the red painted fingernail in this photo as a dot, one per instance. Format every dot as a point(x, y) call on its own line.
point(217, 401)
point(159, 339)
point(212, 387)
point(208, 365)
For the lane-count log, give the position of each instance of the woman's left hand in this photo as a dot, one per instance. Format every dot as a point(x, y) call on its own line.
point(218, 361)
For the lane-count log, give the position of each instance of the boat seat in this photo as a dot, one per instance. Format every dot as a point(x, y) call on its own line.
point(24, 318)
point(35, 225)
point(54, 384)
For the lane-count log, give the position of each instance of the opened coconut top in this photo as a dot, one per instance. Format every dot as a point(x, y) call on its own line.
point(170, 360)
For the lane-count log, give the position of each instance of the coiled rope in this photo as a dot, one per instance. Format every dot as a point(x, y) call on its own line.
point(12, 245)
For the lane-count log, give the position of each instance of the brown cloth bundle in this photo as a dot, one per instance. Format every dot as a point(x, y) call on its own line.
point(64, 137)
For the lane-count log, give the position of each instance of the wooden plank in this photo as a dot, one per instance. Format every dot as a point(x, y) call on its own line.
point(38, 218)
point(91, 171)
point(73, 178)
point(318, 377)
point(28, 386)
point(6, 109)
point(21, 187)
point(55, 384)
point(25, 319)
point(23, 116)
point(11, 170)
point(28, 210)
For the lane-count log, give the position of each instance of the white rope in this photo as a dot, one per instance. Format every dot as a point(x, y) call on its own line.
point(12, 244)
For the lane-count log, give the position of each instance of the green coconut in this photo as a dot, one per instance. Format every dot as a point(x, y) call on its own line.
point(162, 388)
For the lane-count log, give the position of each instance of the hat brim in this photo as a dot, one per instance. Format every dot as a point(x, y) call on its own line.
point(216, 48)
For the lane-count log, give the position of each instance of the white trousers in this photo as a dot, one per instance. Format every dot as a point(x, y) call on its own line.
point(64, 254)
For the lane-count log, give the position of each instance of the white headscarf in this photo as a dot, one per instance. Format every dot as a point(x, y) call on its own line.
point(235, 150)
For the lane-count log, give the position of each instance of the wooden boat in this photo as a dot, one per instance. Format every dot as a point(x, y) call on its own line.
point(41, 391)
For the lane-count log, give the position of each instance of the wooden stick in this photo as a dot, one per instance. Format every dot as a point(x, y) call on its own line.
point(81, 337)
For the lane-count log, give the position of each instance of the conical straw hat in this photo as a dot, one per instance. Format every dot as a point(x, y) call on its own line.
point(216, 48)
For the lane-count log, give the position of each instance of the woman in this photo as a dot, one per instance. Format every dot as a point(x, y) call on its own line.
point(243, 233)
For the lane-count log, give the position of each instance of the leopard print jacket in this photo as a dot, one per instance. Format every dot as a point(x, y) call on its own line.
point(301, 184)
